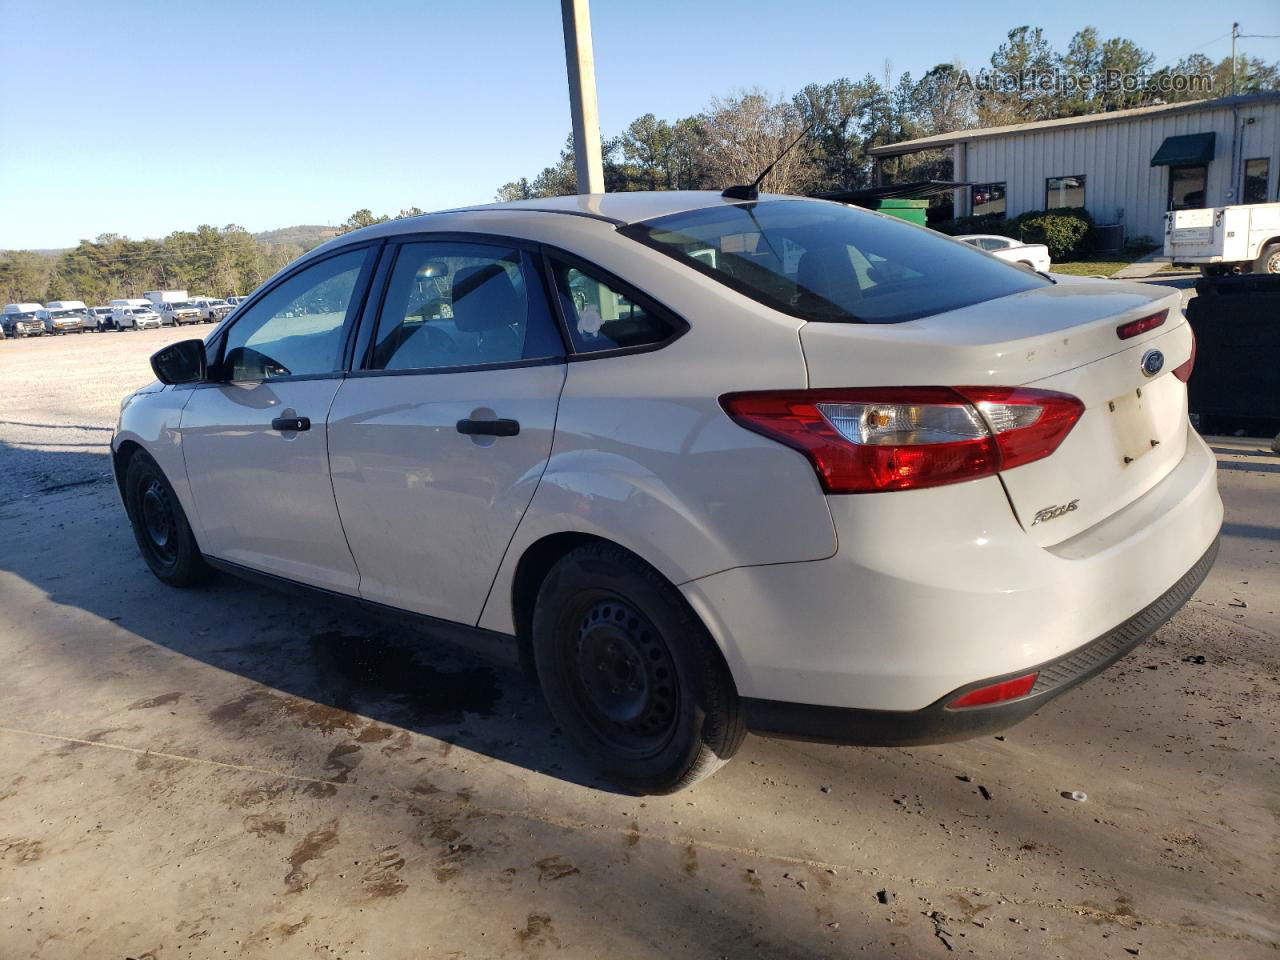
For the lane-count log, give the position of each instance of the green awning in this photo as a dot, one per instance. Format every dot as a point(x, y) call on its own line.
point(1192, 149)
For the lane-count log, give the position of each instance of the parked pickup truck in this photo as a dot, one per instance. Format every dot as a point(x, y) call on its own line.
point(62, 321)
point(175, 313)
point(1033, 256)
point(212, 309)
point(1240, 239)
point(22, 320)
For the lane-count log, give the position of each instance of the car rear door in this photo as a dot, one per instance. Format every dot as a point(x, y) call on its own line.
point(438, 441)
point(254, 437)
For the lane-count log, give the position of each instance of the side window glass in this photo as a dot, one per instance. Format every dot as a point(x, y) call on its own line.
point(602, 318)
point(462, 305)
point(297, 328)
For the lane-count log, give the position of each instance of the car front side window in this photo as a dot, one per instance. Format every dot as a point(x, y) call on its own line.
point(297, 328)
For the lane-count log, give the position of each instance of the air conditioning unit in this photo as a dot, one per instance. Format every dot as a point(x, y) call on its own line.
point(1110, 237)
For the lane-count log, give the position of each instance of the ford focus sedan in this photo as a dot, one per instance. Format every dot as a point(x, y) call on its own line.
point(704, 465)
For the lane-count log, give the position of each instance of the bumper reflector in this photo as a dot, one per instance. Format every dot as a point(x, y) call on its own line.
point(995, 693)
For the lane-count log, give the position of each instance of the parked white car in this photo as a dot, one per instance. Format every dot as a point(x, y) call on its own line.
point(1034, 256)
point(135, 317)
point(702, 465)
point(212, 309)
point(98, 319)
point(176, 313)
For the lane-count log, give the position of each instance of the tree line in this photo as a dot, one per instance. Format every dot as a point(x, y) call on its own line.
point(208, 260)
point(736, 136)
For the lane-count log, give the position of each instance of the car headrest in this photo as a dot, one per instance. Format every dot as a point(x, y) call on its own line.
point(826, 274)
point(485, 298)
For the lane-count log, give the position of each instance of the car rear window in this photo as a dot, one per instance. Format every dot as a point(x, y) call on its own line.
point(829, 262)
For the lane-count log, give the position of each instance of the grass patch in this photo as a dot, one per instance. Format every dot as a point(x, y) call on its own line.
point(1102, 267)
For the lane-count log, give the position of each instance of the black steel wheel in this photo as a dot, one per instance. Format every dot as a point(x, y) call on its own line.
point(631, 674)
point(160, 525)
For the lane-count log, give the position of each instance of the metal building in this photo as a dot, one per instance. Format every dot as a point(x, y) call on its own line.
point(1125, 167)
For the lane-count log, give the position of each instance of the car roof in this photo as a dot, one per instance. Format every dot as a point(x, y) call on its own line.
point(615, 209)
point(983, 236)
point(551, 219)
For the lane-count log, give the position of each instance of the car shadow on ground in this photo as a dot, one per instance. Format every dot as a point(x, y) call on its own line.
point(314, 649)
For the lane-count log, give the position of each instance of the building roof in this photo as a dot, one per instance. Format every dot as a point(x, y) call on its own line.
point(1115, 116)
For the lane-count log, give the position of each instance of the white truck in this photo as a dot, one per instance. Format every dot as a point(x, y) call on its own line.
point(157, 297)
point(133, 313)
point(1239, 239)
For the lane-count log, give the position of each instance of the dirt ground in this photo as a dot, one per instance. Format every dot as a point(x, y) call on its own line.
point(233, 772)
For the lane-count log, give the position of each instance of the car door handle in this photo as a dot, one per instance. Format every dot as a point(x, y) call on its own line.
point(290, 424)
point(489, 428)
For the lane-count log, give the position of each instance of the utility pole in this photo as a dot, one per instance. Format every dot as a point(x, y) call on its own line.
point(1235, 33)
point(582, 95)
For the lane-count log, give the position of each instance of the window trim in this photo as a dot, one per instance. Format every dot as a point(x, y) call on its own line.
point(1004, 195)
point(1083, 178)
point(679, 326)
point(218, 339)
point(371, 316)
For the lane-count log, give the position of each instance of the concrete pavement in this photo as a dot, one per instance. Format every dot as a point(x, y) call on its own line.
point(232, 772)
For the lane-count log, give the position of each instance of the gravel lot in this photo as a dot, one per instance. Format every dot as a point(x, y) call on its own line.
point(236, 772)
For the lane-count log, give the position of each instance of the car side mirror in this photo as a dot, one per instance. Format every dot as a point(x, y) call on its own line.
point(181, 362)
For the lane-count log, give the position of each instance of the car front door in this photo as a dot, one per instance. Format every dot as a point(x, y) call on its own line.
point(254, 437)
point(437, 444)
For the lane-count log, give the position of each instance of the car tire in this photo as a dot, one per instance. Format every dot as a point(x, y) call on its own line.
point(160, 525)
point(631, 674)
point(1268, 260)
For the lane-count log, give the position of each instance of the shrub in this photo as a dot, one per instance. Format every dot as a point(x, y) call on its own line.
point(1067, 232)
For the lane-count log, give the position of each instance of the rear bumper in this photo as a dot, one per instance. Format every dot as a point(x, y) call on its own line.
point(938, 724)
point(932, 591)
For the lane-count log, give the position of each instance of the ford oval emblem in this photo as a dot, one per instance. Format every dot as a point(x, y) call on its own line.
point(1152, 362)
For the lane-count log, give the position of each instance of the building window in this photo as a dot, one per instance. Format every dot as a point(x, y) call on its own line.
point(1186, 187)
point(1256, 172)
point(988, 200)
point(1062, 192)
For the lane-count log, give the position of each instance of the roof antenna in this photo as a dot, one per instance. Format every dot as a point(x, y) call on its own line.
point(751, 191)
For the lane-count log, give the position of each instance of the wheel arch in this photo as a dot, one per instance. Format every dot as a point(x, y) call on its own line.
point(530, 572)
point(120, 458)
point(535, 564)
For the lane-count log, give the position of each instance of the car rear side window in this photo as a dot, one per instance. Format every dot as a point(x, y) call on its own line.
point(462, 305)
point(829, 262)
point(602, 316)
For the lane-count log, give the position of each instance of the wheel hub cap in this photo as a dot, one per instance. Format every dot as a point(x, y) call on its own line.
point(157, 518)
point(626, 671)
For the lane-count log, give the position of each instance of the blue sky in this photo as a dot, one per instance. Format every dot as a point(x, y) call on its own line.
point(143, 117)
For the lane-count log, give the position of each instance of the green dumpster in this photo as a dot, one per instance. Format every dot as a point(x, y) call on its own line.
point(912, 211)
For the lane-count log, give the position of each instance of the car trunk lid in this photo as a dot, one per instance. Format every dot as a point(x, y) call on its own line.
point(1064, 338)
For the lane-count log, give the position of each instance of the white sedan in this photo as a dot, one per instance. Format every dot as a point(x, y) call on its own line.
point(1034, 256)
point(703, 465)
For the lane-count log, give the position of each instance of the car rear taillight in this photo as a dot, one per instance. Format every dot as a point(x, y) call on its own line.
point(1134, 327)
point(876, 439)
point(1183, 370)
point(995, 693)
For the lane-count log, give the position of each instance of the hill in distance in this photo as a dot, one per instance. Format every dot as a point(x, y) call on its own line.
point(306, 235)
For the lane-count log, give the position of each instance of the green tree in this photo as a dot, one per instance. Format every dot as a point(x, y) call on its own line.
point(360, 219)
point(1020, 60)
